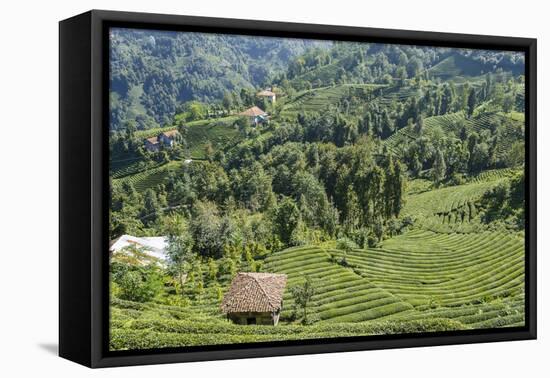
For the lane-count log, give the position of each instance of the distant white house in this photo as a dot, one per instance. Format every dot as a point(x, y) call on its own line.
point(268, 94)
point(154, 246)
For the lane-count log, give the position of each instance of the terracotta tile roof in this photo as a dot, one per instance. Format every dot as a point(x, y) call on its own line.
point(170, 133)
point(253, 112)
point(254, 292)
point(266, 93)
point(152, 140)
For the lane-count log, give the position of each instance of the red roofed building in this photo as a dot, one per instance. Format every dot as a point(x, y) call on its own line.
point(255, 298)
point(166, 138)
point(255, 115)
point(268, 94)
point(152, 144)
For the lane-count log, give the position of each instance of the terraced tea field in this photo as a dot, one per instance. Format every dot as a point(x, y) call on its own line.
point(455, 208)
point(418, 282)
point(317, 99)
point(450, 209)
point(399, 94)
point(455, 67)
point(421, 281)
point(341, 294)
point(143, 326)
point(451, 124)
point(218, 132)
point(149, 178)
point(416, 276)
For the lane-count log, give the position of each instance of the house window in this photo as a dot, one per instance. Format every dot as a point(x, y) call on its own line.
point(250, 321)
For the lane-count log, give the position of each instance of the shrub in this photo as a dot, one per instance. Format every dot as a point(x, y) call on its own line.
point(345, 244)
point(139, 286)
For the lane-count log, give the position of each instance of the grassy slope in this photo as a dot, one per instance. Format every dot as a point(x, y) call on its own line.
point(216, 131)
point(149, 178)
point(422, 280)
point(448, 124)
point(317, 99)
point(456, 66)
point(442, 275)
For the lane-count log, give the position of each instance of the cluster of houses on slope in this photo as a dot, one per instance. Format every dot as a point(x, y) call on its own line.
point(255, 116)
point(253, 298)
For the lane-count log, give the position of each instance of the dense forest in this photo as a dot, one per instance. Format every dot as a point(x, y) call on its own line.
point(366, 145)
point(153, 73)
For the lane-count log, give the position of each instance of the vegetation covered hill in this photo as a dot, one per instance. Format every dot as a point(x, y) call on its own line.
point(420, 281)
point(386, 182)
point(155, 71)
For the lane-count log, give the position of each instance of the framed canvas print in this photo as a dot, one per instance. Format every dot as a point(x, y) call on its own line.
point(236, 188)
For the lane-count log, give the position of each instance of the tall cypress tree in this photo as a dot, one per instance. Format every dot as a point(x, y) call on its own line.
point(472, 102)
point(439, 167)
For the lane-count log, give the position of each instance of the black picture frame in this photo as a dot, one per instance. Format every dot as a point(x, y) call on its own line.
point(83, 181)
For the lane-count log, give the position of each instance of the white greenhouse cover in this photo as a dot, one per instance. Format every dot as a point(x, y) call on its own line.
point(153, 245)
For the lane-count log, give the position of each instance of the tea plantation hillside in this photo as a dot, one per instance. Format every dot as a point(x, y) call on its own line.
point(315, 100)
point(454, 124)
point(217, 132)
point(427, 279)
point(328, 189)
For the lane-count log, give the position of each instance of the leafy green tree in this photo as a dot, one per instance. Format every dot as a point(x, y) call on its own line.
point(472, 102)
point(479, 157)
point(414, 67)
point(416, 165)
point(447, 99)
point(401, 74)
point(397, 189)
point(227, 101)
point(183, 130)
point(439, 167)
point(508, 102)
point(194, 110)
point(465, 94)
point(345, 244)
point(286, 219)
point(488, 86)
point(180, 247)
point(151, 208)
point(211, 232)
point(516, 154)
point(419, 126)
point(403, 59)
point(130, 128)
point(252, 187)
point(303, 295)
point(139, 284)
point(353, 212)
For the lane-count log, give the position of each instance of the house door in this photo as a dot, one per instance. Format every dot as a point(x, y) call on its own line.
point(250, 321)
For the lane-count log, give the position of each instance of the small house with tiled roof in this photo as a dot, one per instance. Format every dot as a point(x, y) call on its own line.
point(255, 115)
point(255, 298)
point(152, 144)
point(166, 139)
point(271, 96)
